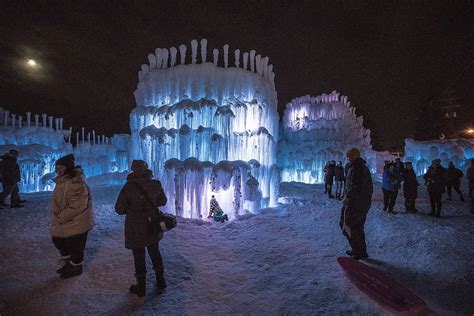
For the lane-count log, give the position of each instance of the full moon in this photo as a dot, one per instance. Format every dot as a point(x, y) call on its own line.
point(31, 62)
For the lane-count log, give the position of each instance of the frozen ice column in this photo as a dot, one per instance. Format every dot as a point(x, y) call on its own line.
point(212, 112)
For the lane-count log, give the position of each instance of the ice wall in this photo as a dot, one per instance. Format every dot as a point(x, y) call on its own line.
point(318, 129)
point(41, 140)
point(212, 112)
point(458, 150)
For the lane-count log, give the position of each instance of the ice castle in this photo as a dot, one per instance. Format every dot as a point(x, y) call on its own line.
point(318, 129)
point(208, 128)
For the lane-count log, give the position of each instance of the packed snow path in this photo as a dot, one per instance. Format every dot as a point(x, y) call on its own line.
point(281, 261)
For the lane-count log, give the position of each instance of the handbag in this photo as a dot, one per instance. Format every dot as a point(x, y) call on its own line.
point(158, 221)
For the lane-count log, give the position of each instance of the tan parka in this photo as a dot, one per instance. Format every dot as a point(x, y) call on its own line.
point(71, 205)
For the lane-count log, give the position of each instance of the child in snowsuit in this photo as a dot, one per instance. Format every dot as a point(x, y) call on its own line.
point(216, 212)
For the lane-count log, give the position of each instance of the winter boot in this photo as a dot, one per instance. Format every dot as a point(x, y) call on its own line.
point(160, 281)
point(66, 266)
point(226, 217)
point(72, 270)
point(139, 289)
point(385, 207)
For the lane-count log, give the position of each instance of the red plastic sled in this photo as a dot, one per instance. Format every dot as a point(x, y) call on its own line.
point(381, 288)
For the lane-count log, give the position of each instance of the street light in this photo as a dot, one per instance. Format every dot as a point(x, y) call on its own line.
point(470, 131)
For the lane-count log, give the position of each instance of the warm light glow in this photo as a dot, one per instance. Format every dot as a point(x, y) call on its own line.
point(470, 131)
point(31, 62)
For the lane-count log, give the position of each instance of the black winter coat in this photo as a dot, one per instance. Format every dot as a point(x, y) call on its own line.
point(10, 169)
point(329, 174)
point(359, 187)
point(453, 176)
point(436, 179)
point(134, 205)
point(339, 173)
point(410, 184)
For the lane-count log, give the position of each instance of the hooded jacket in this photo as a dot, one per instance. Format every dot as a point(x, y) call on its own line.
point(71, 205)
point(136, 208)
point(359, 187)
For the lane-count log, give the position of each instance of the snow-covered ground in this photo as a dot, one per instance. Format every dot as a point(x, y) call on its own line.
point(282, 261)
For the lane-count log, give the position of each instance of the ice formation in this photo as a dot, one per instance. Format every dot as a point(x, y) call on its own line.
point(42, 141)
point(318, 129)
point(421, 153)
point(196, 124)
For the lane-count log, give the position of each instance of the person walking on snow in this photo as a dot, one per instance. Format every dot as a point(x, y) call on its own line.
point(10, 177)
point(72, 216)
point(390, 186)
point(133, 203)
point(216, 212)
point(329, 177)
point(435, 178)
point(339, 177)
point(453, 180)
point(356, 204)
point(470, 183)
point(410, 188)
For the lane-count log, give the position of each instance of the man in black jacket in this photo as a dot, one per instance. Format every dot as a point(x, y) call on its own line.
point(10, 179)
point(356, 204)
point(410, 187)
point(435, 179)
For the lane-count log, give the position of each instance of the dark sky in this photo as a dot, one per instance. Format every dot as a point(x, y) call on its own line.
point(389, 57)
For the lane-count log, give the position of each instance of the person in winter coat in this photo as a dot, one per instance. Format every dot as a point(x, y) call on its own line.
point(470, 183)
point(10, 178)
point(72, 216)
point(329, 178)
point(435, 178)
point(453, 180)
point(390, 186)
point(356, 204)
point(134, 202)
point(410, 188)
point(399, 167)
point(339, 177)
point(216, 212)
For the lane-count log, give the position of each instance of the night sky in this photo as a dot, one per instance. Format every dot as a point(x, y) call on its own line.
point(388, 57)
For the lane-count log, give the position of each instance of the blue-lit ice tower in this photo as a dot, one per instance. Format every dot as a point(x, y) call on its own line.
point(208, 128)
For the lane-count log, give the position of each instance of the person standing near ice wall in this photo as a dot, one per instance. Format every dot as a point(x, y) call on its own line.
point(390, 186)
point(356, 204)
point(470, 183)
point(10, 178)
point(453, 180)
point(410, 188)
point(329, 177)
point(134, 202)
point(339, 178)
point(72, 216)
point(435, 179)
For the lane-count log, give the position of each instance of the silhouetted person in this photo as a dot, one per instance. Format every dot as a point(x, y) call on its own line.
point(470, 183)
point(356, 204)
point(329, 177)
point(435, 178)
point(10, 178)
point(390, 186)
point(410, 187)
point(399, 167)
point(453, 180)
point(134, 202)
point(339, 178)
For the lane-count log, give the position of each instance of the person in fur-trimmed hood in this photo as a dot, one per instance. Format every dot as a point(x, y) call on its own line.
point(72, 216)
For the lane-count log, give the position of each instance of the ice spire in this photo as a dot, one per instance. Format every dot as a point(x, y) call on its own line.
point(194, 45)
point(215, 53)
point(159, 58)
point(245, 60)
point(252, 56)
point(173, 52)
point(203, 50)
point(226, 55)
point(152, 61)
point(237, 58)
point(258, 64)
point(165, 57)
point(182, 53)
point(28, 119)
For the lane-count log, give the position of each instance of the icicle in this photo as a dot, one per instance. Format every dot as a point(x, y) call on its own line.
point(77, 138)
point(83, 135)
point(194, 45)
point(70, 133)
point(173, 52)
point(56, 124)
point(269, 72)
point(165, 53)
point(20, 118)
point(13, 120)
point(36, 120)
point(215, 53)
point(89, 137)
point(258, 64)
point(152, 61)
point(93, 137)
point(50, 120)
point(226, 55)
point(203, 50)
point(61, 120)
point(237, 58)
point(182, 53)
point(44, 117)
point(159, 58)
point(246, 60)
point(6, 118)
point(264, 67)
point(252, 56)
point(28, 119)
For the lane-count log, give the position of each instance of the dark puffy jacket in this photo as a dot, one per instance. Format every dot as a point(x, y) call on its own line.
point(390, 180)
point(329, 174)
point(134, 205)
point(453, 176)
point(339, 173)
point(359, 186)
point(410, 184)
point(11, 169)
point(436, 179)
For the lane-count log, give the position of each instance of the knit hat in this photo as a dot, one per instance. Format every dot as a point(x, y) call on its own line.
point(436, 161)
point(139, 165)
point(66, 161)
point(353, 154)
